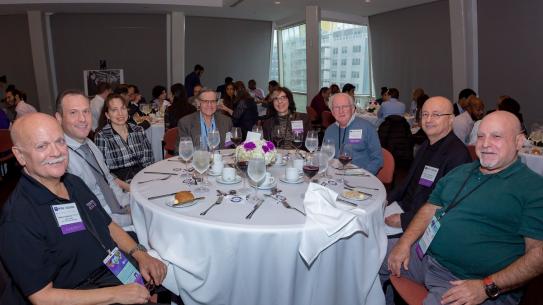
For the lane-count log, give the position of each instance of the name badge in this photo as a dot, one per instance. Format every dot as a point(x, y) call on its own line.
point(122, 268)
point(428, 175)
point(427, 237)
point(68, 218)
point(297, 126)
point(355, 136)
point(228, 139)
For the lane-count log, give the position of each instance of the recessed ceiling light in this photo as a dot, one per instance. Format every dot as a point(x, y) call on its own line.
point(277, 2)
point(368, 1)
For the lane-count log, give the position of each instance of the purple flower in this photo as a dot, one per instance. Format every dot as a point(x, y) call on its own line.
point(265, 149)
point(270, 145)
point(248, 146)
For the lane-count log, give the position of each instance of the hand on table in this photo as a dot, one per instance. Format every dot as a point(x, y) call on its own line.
point(394, 220)
point(465, 292)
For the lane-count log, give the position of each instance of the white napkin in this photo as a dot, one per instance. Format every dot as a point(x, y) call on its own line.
point(393, 208)
point(327, 221)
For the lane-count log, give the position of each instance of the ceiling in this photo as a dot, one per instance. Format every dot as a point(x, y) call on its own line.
point(266, 10)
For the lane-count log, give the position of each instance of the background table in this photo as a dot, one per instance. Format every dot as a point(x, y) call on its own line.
point(223, 258)
point(155, 134)
point(534, 162)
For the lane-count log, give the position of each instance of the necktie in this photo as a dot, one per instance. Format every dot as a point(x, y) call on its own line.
point(109, 196)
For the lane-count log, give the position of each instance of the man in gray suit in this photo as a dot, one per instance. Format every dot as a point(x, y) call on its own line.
point(198, 124)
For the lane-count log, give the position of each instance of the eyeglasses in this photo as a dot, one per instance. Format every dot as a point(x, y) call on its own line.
point(426, 115)
point(208, 102)
point(344, 107)
point(280, 98)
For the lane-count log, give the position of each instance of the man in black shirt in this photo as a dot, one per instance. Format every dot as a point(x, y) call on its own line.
point(54, 234)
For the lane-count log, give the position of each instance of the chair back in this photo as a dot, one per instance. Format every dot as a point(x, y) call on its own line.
point(327, 118)
point(312, 114)
point(472, 153)
point(170, 138)
point(395, 135)
point(386, 173)
point(411, 292)
point(5, 140)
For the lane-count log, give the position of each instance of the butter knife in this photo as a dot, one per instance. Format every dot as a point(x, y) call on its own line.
point(160, 173)
point(162, 196)
point(259, 203)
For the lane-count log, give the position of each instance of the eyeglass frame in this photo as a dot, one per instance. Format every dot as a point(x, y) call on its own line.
point(208, 102)
point(426, 115)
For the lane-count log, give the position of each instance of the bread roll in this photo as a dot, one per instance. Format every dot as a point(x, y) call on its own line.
point(183, 197)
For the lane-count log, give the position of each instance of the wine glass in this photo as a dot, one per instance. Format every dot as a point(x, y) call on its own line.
point(297, 140)
point(237, 136)
point(213, 139)
point(311, 167)
point(241, 167)
point(200, 161)
point(329, 148)
point(186, 149)
point(312, 141)
point(322, 160)
point(345, 157)
point(256, 170)
point(277, 136)
point(257, 128)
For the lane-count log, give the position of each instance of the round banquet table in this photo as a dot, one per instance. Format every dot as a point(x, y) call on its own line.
point(223, 258)
point(155, 134)
point(534, 162)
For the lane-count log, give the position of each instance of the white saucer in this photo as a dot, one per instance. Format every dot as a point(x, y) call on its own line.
point(212, 173)
point(267, 186)
point(300, 180)
point(171, 204)
point(221, 181)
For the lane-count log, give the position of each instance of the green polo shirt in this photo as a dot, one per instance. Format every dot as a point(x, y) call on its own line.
point(485, 232)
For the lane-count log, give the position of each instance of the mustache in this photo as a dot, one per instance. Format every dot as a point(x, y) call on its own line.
point(54, 161)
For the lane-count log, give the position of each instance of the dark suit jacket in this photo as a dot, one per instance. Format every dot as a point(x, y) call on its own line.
point(189, 126)
point(451, 153)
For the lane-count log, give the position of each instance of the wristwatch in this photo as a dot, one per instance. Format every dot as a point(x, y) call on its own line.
point(138, 247)
point(492, 290)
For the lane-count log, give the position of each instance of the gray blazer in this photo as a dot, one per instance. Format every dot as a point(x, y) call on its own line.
point(189, 126)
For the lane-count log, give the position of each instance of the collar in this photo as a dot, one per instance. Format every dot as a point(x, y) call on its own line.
point(348, 123)
point(73, 143)
point(439, 142)
point(40, 194)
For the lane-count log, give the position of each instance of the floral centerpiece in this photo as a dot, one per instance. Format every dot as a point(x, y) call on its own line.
point(373, 106)
point(259, 148)
point(536, 137)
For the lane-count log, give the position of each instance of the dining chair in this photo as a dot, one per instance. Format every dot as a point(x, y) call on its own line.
point(411, 292)
point(168, 143)
point(386, 173)
point(5, 150)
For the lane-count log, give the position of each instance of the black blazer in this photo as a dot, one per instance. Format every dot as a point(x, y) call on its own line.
point(450, 153)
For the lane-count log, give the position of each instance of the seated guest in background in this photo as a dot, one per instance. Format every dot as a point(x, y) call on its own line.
point(229, 98)
point(135, 115)
point(134, 95)
point(487, 218)
point(4, 121)
point(391, 105)
point(8, 108)
point(283, 115)
point(349, 89)
point(244, 114)
point(462, 103)
point(380, 100)
point(160, 99)
point(197, 124)
point(193, 100)
point(16, 99)
point(334, 88)
point(222, 88)
point(193, 78)
point(86, 160)
point(463, 123)
point(359, 133)
point(256, 93)
point(124, 145)
point(417, 93)
point(267, 102)
point(420, 136)
point(54, 233)
point(320, 101)
point(97, 103)
point(179, 108)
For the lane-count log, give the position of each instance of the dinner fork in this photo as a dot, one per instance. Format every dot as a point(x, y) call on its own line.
point(288, 206)
point(157, 179)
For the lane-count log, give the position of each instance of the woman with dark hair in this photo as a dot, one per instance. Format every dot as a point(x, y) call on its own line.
point(244, 114)
point(124, 145)
point(229, 98)
point(159, 102)
point(179, 108)
point(283, 114)
point(320, 101)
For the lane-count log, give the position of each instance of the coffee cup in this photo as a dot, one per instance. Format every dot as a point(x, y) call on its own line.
point(228, 174)
point(292, 174)
point(298, 164)
point(268, 179)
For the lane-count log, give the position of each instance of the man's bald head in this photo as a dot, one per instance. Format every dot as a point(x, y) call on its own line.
point(437, 118)
point(23, 127)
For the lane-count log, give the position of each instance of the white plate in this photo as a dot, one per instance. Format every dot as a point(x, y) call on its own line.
point(267, 186)
point(300, 180)
point(221, 181)
point(171, 203)
point(354, 196)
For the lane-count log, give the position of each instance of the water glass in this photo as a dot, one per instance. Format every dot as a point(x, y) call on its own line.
point(186, 149)
point(312, 141)
point(201, 161)
point(256, 170)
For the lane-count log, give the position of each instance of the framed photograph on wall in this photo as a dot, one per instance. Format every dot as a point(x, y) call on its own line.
point(91, 79)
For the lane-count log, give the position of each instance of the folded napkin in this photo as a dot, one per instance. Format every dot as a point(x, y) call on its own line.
point(393, 208)
point(327, 221)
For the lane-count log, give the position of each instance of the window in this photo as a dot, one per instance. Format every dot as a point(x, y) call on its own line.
point(274, 63)
point(345, 37)
point(294, 70)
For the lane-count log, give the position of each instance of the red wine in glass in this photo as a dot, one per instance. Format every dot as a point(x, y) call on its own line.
point(310, 171)
point(345, 159)
point(236, 140)
point(242, 166)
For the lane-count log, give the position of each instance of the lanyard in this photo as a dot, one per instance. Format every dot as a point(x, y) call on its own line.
point(100, 172)
point(455, 202)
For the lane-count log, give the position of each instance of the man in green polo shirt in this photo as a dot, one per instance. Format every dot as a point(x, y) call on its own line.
point(480, 235)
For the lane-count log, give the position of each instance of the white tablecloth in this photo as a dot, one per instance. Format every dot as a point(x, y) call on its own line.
point(155, 134)
point(223, 258)
point(372, 118)
point(534, 162)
